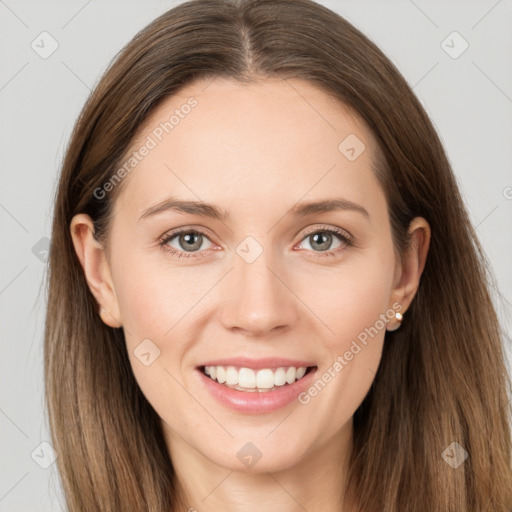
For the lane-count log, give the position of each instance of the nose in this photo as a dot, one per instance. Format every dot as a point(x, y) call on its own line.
point(260, 298)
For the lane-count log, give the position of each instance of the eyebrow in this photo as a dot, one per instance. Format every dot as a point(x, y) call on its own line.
point(214, 212)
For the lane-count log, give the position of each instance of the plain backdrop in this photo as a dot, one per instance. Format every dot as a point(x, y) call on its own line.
point(466, 91)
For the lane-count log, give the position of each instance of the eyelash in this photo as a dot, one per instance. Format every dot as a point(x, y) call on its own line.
point(343, 236)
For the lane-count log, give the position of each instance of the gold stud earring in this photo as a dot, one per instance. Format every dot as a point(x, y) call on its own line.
point(398, 317)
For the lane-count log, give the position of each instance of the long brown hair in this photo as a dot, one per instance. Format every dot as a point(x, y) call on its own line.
point(442, 377)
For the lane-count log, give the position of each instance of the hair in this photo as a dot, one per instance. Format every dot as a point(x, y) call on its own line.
point(442, 376)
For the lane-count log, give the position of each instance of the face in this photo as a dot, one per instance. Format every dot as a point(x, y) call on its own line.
point(258, 282)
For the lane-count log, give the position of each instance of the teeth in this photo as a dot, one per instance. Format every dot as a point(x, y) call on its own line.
point(264, 379)
point(247, 379)
point(280, 377)
point(301, 372)
point(221, 374)
point(232, 376)
point(291, 373)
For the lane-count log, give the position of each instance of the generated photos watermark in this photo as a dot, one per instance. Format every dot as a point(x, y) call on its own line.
point(151, 142)
point(343, 360)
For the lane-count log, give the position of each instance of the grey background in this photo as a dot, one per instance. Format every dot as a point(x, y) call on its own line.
point(469, 99)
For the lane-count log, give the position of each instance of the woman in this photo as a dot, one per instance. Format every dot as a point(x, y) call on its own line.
point(202, 352)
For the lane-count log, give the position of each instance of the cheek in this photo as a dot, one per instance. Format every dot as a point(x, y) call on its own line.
point(157, 303)
point(363, 307)
point(154, 297)
point(351, 297)
point(352, 359)
point(154, 303)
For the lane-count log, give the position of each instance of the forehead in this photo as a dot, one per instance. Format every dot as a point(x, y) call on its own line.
point(269, 142)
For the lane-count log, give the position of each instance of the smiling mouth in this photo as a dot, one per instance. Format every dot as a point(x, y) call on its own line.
point(261, 380)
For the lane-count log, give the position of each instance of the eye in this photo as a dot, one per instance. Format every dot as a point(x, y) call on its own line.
point(190, 242)
point(320, 240)
point(187, 241)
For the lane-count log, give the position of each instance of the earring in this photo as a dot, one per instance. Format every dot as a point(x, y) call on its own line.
point(398, 317)
point(109, 319)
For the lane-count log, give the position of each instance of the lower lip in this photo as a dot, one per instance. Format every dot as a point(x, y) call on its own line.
point(256, 402)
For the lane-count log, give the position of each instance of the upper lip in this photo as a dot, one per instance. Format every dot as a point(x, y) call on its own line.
point(266, 362)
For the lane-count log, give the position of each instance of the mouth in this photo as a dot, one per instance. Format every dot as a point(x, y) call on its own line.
point(256, 380)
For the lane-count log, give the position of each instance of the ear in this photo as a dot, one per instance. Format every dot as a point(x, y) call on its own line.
point(408, 271)
point(94, 262)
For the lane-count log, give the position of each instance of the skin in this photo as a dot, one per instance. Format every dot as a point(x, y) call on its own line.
point(255, 151)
